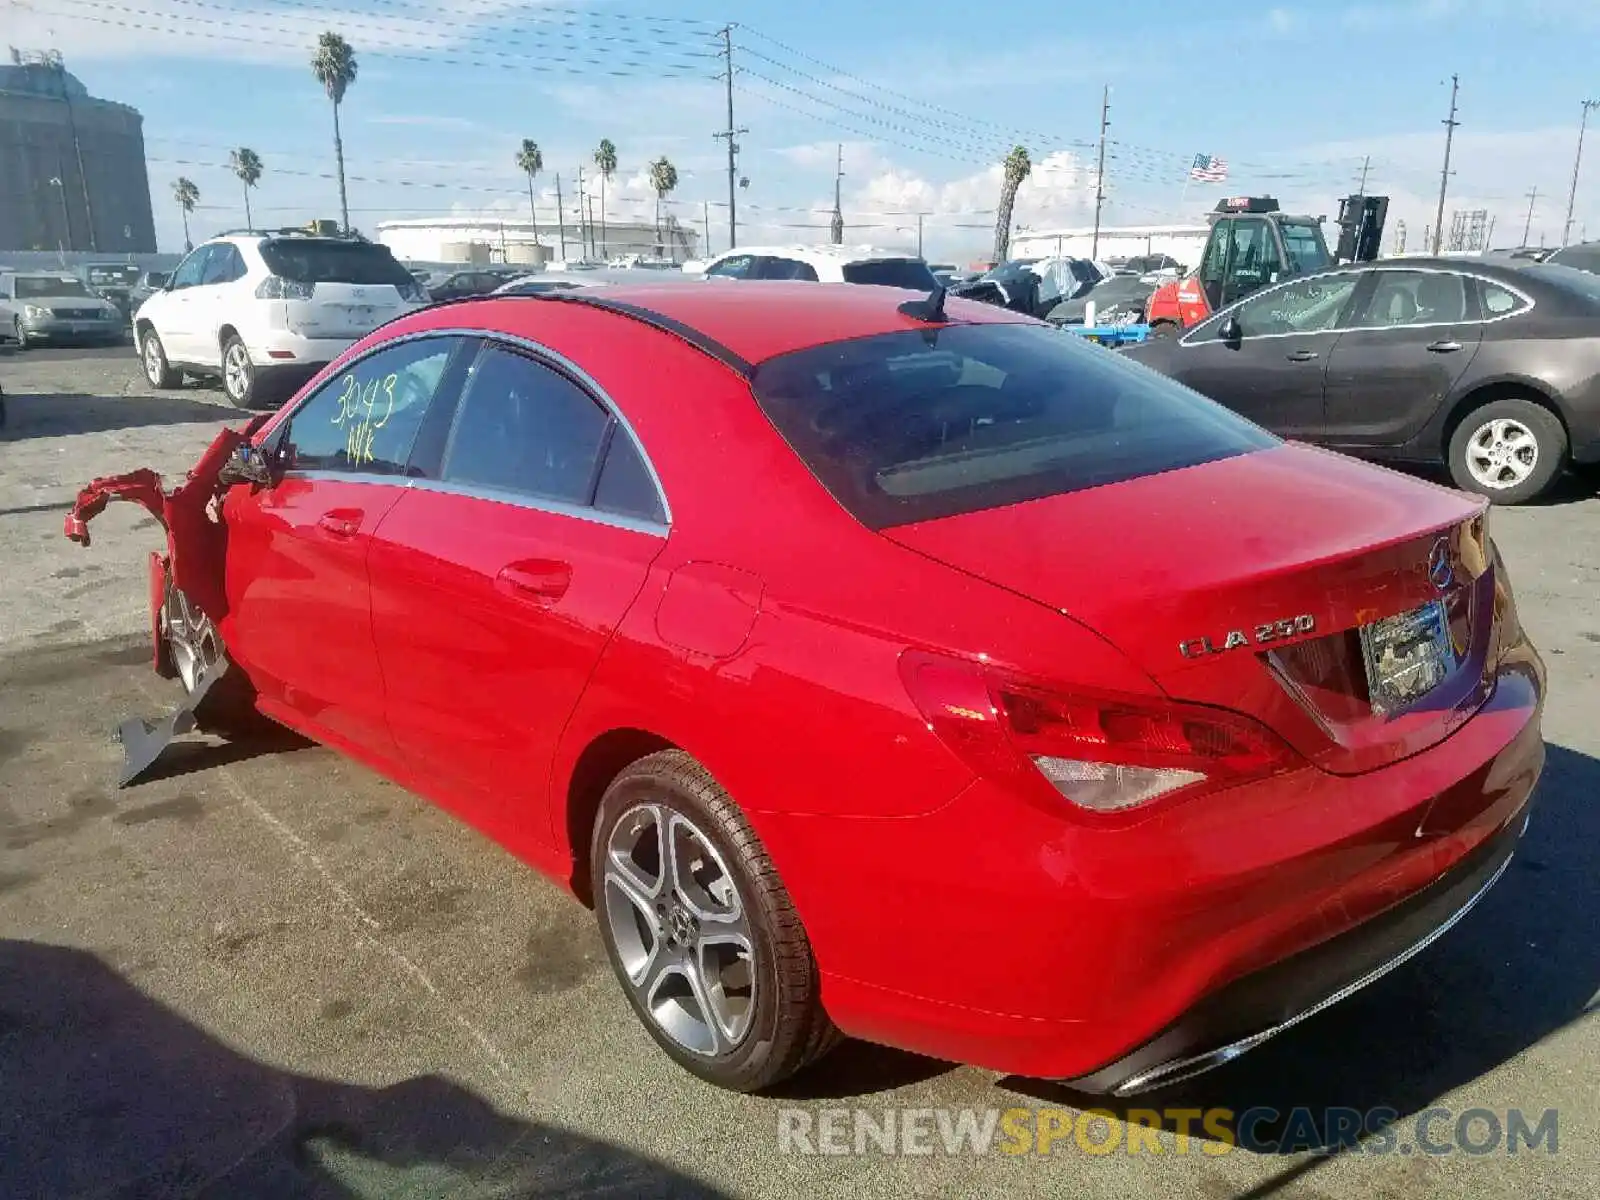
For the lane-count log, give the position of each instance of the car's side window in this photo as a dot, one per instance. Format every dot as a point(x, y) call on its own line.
point(365, 419)
point(787, 268)
point(625, 485)
point(191, 269)
point(1499, 301)
point(1305, 306)
point(1416, 298)
point(223, 265)
point(735, 266)
point(525, 427)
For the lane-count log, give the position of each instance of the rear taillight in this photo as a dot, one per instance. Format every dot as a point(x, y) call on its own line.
point(275, 287)
point(1104, 753)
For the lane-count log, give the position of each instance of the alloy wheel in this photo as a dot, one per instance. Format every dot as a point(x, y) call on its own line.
point(191, 640)
point(154, 367)
point(681, 929)
point(1502, 453)
point(236, 370)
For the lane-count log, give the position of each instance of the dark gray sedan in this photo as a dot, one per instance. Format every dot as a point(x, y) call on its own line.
point(1491, 369)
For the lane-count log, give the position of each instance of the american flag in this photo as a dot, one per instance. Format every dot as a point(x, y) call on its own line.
point(1208, 168)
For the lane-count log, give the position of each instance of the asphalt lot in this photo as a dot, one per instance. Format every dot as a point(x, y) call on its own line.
point(270, 973)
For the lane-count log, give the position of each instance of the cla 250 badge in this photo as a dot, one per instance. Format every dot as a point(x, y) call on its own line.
point(1272, 631)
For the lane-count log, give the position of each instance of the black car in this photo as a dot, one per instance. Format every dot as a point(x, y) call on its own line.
point(1584, 256)
point(478, 281)
point(1491, 369)
point(1117, 301)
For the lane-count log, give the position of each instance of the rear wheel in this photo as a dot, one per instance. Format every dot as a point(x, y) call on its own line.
point(701, 933)
point(238, 373)
point(1509, 450)
point(156, 368)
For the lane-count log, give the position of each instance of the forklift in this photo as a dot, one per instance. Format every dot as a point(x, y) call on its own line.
point(1254, 243)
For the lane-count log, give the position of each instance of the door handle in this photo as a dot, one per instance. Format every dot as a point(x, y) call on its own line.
point(1444, 347)
point(541, 580)
point(341, 522)
point(1302, 355)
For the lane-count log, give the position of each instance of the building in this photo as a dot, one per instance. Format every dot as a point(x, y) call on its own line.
point(1182, 242)
point(72, 169)
point(491, 239)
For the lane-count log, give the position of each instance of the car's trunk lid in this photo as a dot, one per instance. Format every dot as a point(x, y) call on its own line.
point(1200, 574)
point(344, 310)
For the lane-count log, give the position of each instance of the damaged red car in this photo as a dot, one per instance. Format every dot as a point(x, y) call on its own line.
point(875, 666)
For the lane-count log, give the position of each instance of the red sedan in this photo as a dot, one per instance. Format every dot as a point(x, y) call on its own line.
point(920, 674)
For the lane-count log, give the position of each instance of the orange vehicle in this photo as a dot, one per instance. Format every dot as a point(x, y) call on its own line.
point(1252, 244)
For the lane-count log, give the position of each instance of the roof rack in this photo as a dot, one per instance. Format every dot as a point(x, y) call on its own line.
point(349, 235)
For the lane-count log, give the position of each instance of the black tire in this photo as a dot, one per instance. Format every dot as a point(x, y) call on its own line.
point(1526, 467)
point(1165, 329)
point(787, 1028)
point(16, 329)
point(239, 377)
point(157, 369)
point(1588, 474)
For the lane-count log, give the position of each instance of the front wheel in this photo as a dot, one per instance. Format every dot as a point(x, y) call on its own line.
point(156, 368)
point(701, 933)
point(195, 651)
point(1511, 451)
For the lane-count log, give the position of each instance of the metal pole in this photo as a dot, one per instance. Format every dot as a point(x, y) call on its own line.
point(1528, 224)
point(561, 220)
point(1577, 162)
point(1450, 124)
point(733, 183)
point(1366, 162)
point(1100, 171)
point(583, 237)
point(705, 216)
point(919, 235)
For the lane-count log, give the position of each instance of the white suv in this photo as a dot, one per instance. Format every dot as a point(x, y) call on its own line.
point(267, 311)
point(824, 264)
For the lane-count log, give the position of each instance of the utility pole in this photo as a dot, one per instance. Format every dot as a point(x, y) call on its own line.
point(919, 234)
point(705, 212)
point(731, 132)
point(1361, 188)
point(1488, 237)
point(1450, 124)
point(561, 219)
point(836, 227)
point(1572, 196)
point(1528, 224)
point(1100, 171)
point(583, 237)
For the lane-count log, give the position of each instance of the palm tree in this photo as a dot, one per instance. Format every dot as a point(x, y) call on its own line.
point(246, 164)
point(605, 159)
point(663, 178)
point(530, 161)
point(187, 196)
point(1017, 167)
point(335, 69)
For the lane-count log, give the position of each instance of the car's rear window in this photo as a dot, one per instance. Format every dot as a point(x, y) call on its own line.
point(307, 261)
point(1582, 258)
point(892, 272)
point(912, 426)
point(35, 286)
point(1572, 280)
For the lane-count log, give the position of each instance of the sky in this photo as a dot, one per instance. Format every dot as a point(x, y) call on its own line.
point(921, 100)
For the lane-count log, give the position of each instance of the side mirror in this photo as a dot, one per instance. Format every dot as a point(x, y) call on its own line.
point(249, 464)
point(1230, 332)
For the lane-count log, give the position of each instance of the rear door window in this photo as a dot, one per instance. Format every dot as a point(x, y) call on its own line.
point(223, 265)
point(365, 419)
point(910, 273)
point(312, 260)
point(526, 428)
point(1403, 298)
point(913, 426)
point(787, 268)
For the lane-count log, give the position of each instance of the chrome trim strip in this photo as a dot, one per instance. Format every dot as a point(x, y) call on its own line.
point(555, 358)
point(557, 508)
point(1261, 337)
point(1184, 1068)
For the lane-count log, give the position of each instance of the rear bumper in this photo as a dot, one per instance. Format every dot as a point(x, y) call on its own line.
point(1247, 1012)
point(280, 349)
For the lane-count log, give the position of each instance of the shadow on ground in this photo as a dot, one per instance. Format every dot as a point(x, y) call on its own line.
point(1520, 967)
point(109, 1093)
point(32, 415)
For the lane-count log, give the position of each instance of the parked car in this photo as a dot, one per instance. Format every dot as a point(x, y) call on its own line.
point(826, 264)
point(1492, 370)
point(42, 306)
point(1119, 300)
point(1034, 286)
point(266, 311)
point(114, 281)
point(965, 622)
point(474, 281)
point(147, 285)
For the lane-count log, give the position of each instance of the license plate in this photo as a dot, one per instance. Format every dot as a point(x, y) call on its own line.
point(1407, 656)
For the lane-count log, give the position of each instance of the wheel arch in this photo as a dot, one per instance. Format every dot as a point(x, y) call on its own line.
point(1487, 392)
point(224, 332)
point(601, 761)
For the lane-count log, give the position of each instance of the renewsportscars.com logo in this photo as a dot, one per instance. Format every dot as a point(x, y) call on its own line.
point(1211, 1131)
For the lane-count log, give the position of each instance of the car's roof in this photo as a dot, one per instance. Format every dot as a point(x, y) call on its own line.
point(824, 253)
point(747, 324)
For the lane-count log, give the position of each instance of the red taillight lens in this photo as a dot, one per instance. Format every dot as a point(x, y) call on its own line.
point(1104, 753)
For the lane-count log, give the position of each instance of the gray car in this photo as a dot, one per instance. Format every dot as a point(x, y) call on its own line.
point(42, 307)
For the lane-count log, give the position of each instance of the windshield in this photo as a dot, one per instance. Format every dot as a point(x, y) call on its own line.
point(1580, 258)
point(32, 286)
point(912, 426)
point(312, 261)
point(1302, 242)
point(893, 272)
